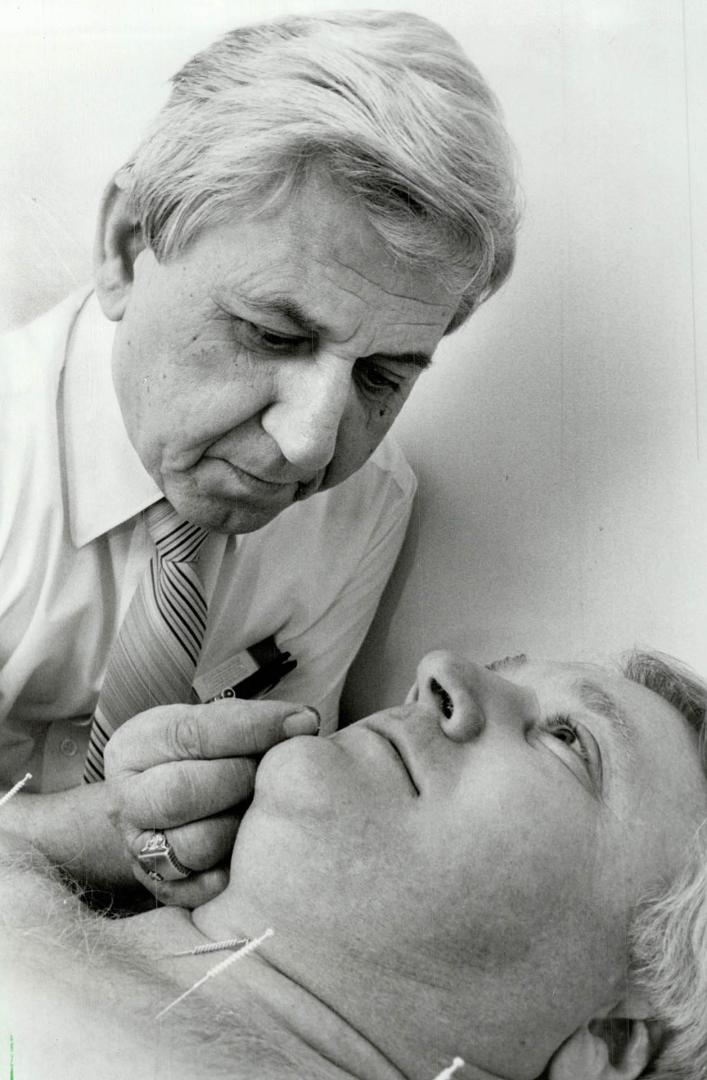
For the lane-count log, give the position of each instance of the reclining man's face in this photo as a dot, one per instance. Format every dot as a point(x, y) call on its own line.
point(487, 840)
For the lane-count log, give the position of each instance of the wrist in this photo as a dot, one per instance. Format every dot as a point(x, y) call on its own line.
point(72, 829)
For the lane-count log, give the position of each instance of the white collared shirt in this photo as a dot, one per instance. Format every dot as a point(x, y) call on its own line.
point(73, 545)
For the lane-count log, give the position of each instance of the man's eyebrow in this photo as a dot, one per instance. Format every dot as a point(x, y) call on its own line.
point(411, 359)
point(595, 699)
point(289, 309)
point(292, 311)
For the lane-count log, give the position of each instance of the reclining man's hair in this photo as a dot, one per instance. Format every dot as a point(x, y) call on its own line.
point(669, 932)
point(386, 103)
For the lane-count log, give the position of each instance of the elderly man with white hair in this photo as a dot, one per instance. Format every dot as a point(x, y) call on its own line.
point(501, 871)
point(198, 498)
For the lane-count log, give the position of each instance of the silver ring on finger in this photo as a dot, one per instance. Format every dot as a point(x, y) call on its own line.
point(159, 862)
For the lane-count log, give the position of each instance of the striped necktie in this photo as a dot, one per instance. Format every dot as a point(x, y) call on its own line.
point(154, 656)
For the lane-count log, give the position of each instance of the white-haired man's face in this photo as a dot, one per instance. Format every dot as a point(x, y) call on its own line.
point(480, 848)
point(267, 361)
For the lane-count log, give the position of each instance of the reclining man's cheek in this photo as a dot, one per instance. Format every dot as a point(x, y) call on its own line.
point(540, 874)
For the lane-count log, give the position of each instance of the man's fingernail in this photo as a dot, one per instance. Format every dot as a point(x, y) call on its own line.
point(305, 722)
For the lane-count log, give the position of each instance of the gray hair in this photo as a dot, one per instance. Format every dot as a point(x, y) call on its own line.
point(386, 102)
point(669, 931)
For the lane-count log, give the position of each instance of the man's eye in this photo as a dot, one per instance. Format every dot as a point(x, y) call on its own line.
point(579, 751)
point(565, 729)
point(375, 381)
point(281, 341)
point(259, 337)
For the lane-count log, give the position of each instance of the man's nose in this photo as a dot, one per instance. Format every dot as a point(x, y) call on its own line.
point(467, 696)
point(304, 419)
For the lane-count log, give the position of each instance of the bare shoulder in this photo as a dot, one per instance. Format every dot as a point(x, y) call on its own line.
point(81, 994)
point(28, 886)
point(71, 1000)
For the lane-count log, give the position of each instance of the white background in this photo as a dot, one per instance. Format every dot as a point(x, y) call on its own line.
point(561, 436)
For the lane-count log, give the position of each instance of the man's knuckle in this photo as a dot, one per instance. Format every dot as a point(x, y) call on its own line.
point(191, 790)
point(243, 774)
point(114, 813)
point(145, 810)
point(195, 848)
point(186, 736)
point(249, 728)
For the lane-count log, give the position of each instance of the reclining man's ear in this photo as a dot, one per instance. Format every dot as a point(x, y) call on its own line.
point(615, 1047)
point(119, 241)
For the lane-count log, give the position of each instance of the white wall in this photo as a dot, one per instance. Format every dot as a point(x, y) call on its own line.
point(562, 443)
point(560, 438)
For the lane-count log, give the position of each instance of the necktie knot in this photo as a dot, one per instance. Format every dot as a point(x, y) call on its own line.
point(175, 539)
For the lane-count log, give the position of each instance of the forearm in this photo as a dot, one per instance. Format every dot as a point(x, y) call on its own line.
point(73, 830)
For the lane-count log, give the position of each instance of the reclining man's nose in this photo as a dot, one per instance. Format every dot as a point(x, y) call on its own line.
point(446, 685)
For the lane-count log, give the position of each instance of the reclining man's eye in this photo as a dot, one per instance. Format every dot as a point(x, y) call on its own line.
point(580, 741)
point(580, 750)
point(565, 729)
point(566, 733)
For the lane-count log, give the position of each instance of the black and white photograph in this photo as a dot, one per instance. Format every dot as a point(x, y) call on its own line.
point(353, 540)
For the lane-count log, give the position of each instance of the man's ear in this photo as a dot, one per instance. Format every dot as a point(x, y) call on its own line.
point(119, 241)
point(613, 1048)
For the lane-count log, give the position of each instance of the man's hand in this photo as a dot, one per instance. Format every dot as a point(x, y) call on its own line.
point(186, 770)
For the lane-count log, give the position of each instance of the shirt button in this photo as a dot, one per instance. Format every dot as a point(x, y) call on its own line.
point(68, 747)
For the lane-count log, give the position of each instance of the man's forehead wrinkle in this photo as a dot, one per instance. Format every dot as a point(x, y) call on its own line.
point(392, 293)
point(260, 285)
point(401, 298)
point(345, 288)
point(290, 280)
point(419, 324)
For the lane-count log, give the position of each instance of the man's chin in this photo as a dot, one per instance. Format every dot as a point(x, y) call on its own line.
point(218, 514)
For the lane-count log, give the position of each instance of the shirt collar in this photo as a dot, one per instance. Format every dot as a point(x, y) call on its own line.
point(106, 482)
